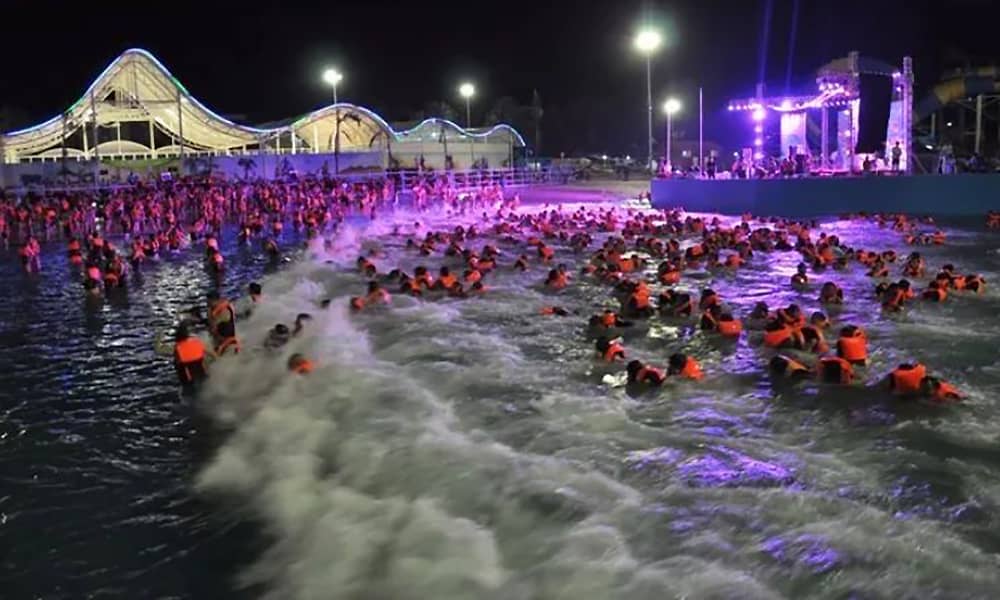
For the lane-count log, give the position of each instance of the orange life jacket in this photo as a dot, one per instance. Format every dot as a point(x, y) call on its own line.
point(907, 381)
point(473, 277)
point(303, 367)
point(614, 351)
point(609, 319)
point(846, 370)
point(670, 277)
point(730, 328)
point(189, 350)
point(776, 338)
point(447, 281)
point(640, 300)
point(558, 282)
point(853, 349)
point(650, 373)
point(945, 392)
point(692, 370)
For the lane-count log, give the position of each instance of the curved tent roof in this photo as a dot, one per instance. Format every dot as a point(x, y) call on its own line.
point(137, 87)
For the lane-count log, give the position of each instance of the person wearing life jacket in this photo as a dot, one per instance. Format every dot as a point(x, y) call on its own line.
point(278, 336)
point(356, 303)
point(832, 369)
point(445, 279)
point(300, 365)
point(791, 316)
point(521, 263)
point(554, 311)
point(640, 373)
point(708, 298)
point(935, 292)
point(788, 368)
point(684, 366)
point(609, 350)
point(939, 391)
point(609, 319)
point(819, 320)
point(710, 318)
point(556, 280)
point(904, 286)
point(852, 345)
point(472, 276)
point(366, 267)
point(759, 316)
point(189, 357)
point(800, 279)
point(410, 286)
point(638, 304)
point(376, 294)
point(545, 253)
point(905, 380)
point(94, 274)
point(975, 283)
point(729, 326)
point(222, 324)
point(938, 237)
point(914, 266)
point(830, 293)
point(879, 270)
point(778, 334)
point(813, 340)
point(893, 298)
point(668, 274)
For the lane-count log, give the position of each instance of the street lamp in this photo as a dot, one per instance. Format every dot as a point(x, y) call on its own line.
point(333, 77)
point(467, 91)
point(671, 106)
point(647, 41)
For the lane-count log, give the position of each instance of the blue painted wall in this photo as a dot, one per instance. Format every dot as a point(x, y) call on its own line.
point(923, 194)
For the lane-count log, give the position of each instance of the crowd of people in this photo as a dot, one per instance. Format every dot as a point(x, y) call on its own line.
point(175, 215)
point(797, 343)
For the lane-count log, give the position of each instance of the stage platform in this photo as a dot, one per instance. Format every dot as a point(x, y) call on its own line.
point(972, 194)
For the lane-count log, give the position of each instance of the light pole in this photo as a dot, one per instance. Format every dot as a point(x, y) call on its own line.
point(333, 77)
point(467, 91)
point(671, 106)
point(647, 41)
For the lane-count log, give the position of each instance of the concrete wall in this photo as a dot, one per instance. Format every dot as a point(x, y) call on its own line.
point(924, 194)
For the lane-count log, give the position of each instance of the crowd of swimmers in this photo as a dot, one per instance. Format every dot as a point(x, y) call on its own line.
point(174, 215)
point(795, 342)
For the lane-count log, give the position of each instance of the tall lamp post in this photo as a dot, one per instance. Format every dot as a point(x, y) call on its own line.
point(671, 106)
point(647, 42)
point(334, 77)
point(467, 91)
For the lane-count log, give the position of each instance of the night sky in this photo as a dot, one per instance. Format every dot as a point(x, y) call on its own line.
point(260, 64)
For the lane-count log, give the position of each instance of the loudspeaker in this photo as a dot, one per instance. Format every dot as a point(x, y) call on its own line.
point(873, 113)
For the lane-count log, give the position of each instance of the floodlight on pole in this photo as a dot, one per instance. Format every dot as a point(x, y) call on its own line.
point(671, 106)
point(467, 91)
point(333, 77)
point(647, 41)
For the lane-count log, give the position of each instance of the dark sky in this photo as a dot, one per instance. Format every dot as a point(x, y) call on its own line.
point(264, 62)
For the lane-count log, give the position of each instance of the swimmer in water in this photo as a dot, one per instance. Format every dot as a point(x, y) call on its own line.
point(609, 350)
point(277, 337)
point(789, 369)
point(300, 365)
point(684, 366)
point(640, 373)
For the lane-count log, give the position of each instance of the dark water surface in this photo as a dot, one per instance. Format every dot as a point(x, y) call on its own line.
point(472, 449)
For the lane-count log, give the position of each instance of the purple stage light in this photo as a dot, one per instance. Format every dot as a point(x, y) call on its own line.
point(786, 104)
point(758, 114)
point(758, 142)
